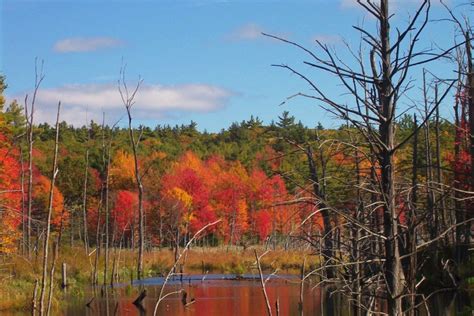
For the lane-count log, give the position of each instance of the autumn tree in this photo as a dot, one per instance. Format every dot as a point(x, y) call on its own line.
point(10, 196)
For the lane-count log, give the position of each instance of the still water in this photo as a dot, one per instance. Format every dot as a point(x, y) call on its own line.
point(227, 295)
point(215, 295)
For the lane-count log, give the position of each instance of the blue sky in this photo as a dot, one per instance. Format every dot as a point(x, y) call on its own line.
point(201, 60)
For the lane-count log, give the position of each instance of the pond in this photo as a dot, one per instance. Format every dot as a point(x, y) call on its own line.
point(230, 294)
point(215, 294)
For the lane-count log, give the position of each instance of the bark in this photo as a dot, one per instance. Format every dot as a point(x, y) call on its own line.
point(392, 269)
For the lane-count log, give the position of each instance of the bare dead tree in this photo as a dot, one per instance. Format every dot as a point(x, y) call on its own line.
point(171, 272)
point(439, 172)
point(411, 235)
point(328, 251)
point(430, 196)
point(54, 174)
point(84, 199)
point(263, 280)
point(106, 157)
point(470, 104)
point(377, 87)
point(464, 99)
point(23, 210)
point(29, 116)
point(128, 99)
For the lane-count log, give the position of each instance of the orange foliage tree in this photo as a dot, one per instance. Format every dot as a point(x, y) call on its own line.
point(41, 187)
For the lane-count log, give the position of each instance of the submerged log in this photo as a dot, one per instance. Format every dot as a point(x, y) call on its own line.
point(88, 304)
point(191, 302)
point(184, 298)
point(140, 298)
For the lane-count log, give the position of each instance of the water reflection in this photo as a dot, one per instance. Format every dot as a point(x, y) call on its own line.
point(213, 296)
point(227, 296)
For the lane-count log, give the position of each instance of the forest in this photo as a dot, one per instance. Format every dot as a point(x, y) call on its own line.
point(378, 210)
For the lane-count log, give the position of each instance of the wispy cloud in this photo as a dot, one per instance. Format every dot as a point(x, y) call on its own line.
point(85, 44)
point(151, 102)
point(251, 32)
point(329, 39)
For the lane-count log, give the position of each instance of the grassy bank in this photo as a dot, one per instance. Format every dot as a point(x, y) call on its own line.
point(18, 274)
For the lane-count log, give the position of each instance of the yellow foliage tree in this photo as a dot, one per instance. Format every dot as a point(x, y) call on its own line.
point(122, 176)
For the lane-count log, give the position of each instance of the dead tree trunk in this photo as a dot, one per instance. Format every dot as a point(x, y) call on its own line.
point(430, 197)
point(29, 115)
point(328, 250)
point(54, 173)
point(107, 214)
point(411, 236)
point(24, 246)
point(393, 271)
point(51, 278)
point(470, 105)
point(84, 204)
point(128, 101)
point(439, 174)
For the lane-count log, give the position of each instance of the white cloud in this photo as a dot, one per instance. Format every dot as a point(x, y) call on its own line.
point(85, 44)
point(328, 39)
point(249, 31)
point(151, 101)
point(252, 32)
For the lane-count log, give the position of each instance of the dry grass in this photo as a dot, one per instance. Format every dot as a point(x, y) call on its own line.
point(18, 274)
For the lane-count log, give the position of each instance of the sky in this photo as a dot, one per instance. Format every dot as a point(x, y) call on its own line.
point(200, 60)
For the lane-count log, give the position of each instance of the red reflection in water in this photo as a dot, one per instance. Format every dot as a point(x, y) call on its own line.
point(213, 297)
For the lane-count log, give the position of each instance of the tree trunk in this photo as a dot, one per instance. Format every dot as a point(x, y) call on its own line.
point(430, 197)
point(30, 177)
point(141, 229)
point(84, 205)
point(411, 236)
point(50, 211)
point(392, 268)
point(328, 250)
point(107, 215)
point(470, 105)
